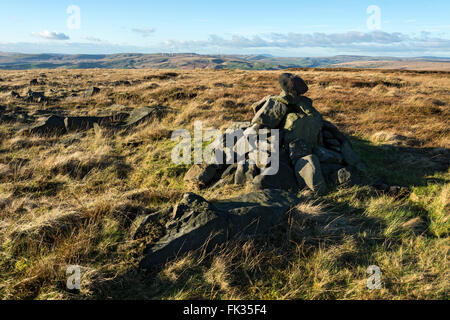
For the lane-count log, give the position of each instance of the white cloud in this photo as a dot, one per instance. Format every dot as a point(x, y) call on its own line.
point(145, 32)
point(51, 35)
point(92, 39)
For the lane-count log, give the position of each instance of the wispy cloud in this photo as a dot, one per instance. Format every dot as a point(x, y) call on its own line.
point(92, 39)
point(145, 32)
point(345, 41)
point(51, 35)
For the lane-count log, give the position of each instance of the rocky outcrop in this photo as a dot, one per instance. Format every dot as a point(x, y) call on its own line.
point(198, 223)
point(312, 152)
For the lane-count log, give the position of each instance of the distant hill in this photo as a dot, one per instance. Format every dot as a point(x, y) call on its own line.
point(18, 61)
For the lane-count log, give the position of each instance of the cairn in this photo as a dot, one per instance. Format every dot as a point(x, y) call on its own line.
point(312, 152)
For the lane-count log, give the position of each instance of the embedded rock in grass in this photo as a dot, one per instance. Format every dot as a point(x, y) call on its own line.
point(53, 125)
point(145, 113)
point(198, 223)
point(200, 176)
point(92, 91)
point(36, 97)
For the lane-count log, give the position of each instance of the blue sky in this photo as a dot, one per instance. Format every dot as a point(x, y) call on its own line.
point(283, 27)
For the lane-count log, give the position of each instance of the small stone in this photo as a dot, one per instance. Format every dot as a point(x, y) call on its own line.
point(200, 176)
point(239, 177)
point(92, 91)
point(308, 171)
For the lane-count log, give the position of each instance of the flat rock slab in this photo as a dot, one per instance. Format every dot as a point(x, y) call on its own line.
point(145, 113)
point(53, 125)
point(198, 223)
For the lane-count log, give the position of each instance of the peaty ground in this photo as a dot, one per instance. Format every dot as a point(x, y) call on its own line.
point(75, 199)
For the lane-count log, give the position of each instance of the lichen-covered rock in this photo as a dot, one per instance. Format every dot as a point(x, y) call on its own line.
point(271, 114)
point(300, 126)
point(308, 171)
point(198, 223)
point(293, 84)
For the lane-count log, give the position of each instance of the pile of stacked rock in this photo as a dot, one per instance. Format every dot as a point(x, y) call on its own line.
point(311, 151)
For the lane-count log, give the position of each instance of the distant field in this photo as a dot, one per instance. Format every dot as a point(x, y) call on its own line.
point(403, 65)
point(74, 199)
point(187, 61)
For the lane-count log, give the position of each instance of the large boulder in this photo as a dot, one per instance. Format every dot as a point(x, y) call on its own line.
point(292, 84)
point(81, 123)
point(283, 180)
point(300, 126)
point(53, 125)
point(198, 223)
point(308, 171)
point(271, 114)
point(256, 212)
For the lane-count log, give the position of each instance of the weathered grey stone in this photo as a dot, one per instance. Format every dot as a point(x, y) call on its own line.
point(252, 172)
point(345, 176)
point(292, 84)
point(271, 114)
point(300, 126)
point(308, 170)
point(53, 125)
point(92, 91)
point(258, 105)
point(327, 156)
point(350, 156)
point(81, 123)
point(145, 113)
point(229, 171)
point(15, 95)
point(200, 176)
point(328, 126)
point(299, 149)
point(283, 180)
point(239, 177)
point(256, 212)
point(36, 97)
point(196, 223)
